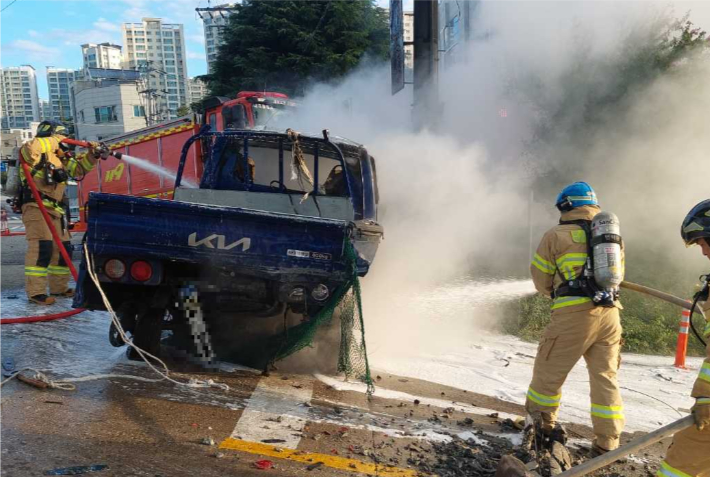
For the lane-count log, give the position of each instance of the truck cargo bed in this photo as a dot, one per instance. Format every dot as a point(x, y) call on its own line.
point(264, 243)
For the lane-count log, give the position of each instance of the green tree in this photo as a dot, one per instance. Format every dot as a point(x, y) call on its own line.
point(286, 45)
point(183, 110)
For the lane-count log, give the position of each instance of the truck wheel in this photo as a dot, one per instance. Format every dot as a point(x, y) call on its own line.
point(147, 333)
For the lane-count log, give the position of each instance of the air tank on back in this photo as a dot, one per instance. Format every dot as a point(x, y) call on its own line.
point(606, 249)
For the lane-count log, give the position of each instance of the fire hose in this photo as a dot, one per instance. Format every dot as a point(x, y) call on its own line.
point(65, 255)
point(104, 151)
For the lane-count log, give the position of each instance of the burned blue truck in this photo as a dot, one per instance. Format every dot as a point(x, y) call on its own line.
point(260, 246)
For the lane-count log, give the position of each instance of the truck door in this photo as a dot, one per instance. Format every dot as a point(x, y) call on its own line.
point(234, 117)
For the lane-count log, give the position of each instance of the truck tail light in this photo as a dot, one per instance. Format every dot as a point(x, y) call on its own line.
point(114, 269)
point(141, 271)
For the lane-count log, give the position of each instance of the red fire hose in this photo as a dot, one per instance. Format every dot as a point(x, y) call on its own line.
point(62, 251)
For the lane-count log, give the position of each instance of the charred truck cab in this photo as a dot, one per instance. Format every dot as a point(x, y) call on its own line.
point(262, 240)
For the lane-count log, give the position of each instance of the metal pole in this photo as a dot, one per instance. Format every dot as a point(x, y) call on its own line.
point(630, 448)
point(426, 62)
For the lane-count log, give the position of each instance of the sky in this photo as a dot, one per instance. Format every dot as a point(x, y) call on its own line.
point(45, 33)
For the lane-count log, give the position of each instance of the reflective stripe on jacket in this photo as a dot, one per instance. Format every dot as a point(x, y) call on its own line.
point(561, 256)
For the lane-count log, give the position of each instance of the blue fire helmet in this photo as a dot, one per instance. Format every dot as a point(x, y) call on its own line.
point(576, 195)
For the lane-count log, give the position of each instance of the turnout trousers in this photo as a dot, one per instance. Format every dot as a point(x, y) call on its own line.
point(44, 265)
point(688, 455)
point(595, 335)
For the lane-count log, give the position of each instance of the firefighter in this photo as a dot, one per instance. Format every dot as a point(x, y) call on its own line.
point(689, 454)
point(579, 327)
point(50, 168)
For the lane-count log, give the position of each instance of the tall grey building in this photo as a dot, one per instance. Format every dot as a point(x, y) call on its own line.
point(102, 55)
point(59, 81)
point(198, 90)
point(214, 20)
point(157, 49)
point(45, 108)
point(18, 97)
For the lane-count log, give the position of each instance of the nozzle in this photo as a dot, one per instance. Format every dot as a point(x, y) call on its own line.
point(116, 154)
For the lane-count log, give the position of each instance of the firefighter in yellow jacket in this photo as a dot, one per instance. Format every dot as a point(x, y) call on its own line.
point(579, 327)
point(50, 167)
point(689, 454)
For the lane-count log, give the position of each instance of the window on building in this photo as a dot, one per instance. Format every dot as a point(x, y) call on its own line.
point(168, 41)
point(139, 111)
point(168, 48)
point(105, 114)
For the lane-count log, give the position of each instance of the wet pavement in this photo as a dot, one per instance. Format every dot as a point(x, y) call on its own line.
point(293, 422)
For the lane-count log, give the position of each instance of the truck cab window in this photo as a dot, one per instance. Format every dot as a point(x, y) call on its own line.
point(234, 117)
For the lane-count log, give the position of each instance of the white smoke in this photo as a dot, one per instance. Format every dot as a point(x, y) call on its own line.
point(454, 200)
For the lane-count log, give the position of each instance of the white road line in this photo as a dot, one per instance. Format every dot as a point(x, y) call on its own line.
point(340, 385)
point(284, 402)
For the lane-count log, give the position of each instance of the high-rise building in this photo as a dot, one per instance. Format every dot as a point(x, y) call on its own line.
point(18, 97)
point(157, 49)
point(59, 81)
point(45, 108)
point(102, 55)
point(198, 90)
point(214, 19)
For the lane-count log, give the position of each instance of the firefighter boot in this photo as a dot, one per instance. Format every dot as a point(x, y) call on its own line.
point(69, 293)
point(533, 435)
point(42, 300)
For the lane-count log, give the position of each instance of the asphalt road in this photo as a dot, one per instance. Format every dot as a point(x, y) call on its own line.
point(293, 421)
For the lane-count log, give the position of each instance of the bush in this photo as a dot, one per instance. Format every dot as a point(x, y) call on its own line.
point(650, 326)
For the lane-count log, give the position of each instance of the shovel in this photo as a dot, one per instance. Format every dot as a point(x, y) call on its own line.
point(509, 466)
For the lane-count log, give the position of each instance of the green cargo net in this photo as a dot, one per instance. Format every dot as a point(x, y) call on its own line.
point(347, 303)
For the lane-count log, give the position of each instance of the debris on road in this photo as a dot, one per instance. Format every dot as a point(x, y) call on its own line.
point(77, 470)
point(263, 464)
point(314, 466)
point(8, 367)
point(207, 441)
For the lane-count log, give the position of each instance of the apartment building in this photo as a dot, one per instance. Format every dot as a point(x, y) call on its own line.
point(157, 50)
point(102, 55)
point(198, 90)
point(19, 100)
point(214, 20)
point(59, 82)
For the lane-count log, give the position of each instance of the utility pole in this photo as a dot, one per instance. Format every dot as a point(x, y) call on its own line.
point(426, 64)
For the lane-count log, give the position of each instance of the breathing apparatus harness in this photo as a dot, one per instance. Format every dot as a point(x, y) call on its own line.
point(585, 284)
point(54, 175)
point(701, 295)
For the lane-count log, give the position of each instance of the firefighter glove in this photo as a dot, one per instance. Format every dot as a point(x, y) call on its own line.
point(701, 413)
